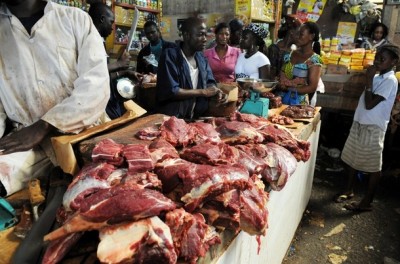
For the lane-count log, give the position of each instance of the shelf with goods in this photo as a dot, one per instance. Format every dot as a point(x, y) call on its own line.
point(264, 12)
point(124, 12)
point(82, 4)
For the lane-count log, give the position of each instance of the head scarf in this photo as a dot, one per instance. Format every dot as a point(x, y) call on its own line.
point(259, 31)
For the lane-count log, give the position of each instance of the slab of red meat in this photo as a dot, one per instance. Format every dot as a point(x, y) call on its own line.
point(299, 111)
point(223, 211)
point(146, 179)
point(145, 241)
point(168, 171)
point(253, 208)
point(90, 179)
point(160, 150)
point(281, 164)
point(108, 151)
point(211, 153)
point(253, 162)
point(255, 121)
point(138, 158)
point(299, 148)
point(57, 249)
point(124, 202)
point(177, 132)
point(236, 132)
point(191, 235)
point(204, 132)
point(203, 182)
point(149, 133)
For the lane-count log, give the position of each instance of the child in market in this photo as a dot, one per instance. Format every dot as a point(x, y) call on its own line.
point(364, 146)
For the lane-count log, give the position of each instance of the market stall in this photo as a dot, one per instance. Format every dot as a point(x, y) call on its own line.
point(285, 206)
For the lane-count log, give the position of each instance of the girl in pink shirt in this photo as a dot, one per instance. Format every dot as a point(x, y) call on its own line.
point(222, 58)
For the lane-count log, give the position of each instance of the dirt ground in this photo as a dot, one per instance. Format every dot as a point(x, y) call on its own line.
point(367, 237)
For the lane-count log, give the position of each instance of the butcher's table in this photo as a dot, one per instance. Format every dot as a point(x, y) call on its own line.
point(285, 207)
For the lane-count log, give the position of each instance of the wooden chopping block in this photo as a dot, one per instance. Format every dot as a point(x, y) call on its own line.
point(63, 144)
point(123, 135)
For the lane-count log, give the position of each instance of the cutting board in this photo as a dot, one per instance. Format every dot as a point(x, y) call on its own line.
point(277, 111)
point(63, 145)
point(123, 135)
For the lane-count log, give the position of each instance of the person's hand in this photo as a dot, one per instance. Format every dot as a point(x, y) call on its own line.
point(24, 139)
point(125, 60)
point(371, 71)
point(210, 91)
point(222, 98)
point(134, 75)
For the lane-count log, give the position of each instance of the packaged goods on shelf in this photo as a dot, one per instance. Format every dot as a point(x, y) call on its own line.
point(356, 62)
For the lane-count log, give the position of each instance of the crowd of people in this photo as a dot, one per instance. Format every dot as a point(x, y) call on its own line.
point(58, 79)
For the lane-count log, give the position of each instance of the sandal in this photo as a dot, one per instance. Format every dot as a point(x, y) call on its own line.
point(340, 198)
point(355, 207)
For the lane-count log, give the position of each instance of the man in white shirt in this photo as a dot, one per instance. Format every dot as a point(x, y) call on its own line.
point(53, 77)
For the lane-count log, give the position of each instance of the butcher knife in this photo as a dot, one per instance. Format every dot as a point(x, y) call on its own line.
point(30, 249)
point(131, 35)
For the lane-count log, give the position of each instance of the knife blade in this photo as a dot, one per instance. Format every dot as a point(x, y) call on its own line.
point(132, 31)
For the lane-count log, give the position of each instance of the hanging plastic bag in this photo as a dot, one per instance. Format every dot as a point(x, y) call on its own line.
point(291, 97)
point(151, 59)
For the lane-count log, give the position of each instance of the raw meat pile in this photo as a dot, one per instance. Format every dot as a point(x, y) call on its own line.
point(299, 111)
point(281, 120)
point(275, 101)
point(164, 202)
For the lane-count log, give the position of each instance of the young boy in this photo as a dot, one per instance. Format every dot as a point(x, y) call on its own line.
point(364, 145)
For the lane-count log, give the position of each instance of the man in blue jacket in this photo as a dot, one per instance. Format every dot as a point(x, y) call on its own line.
point(185, 81)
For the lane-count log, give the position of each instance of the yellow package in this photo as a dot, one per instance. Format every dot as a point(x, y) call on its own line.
point(347, 64)
point(356, 62)
point(345, 59)
point(347, 52)
point(332, 61)
point(370, 56)
point(357, 68)
point(359, 56)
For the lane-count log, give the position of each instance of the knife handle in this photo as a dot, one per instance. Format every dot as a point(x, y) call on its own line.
point(35, 193)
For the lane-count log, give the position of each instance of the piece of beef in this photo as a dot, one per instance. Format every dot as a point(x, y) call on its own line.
point(160, 150)
point(281, 136)
point(108, 151)
point(253, 208)
point(204, 132)
point(191, 235)
point(124, 202)
point(253, 162)
point(149, 133)
point(299, 111)
point(275, 102)
point(177, 132)
point(281, 165)
point(203, 182)
point(89, 180)
point(145, 179)
point(236, 132)
point(255, 121)
point(138, 158)
point(210, 153)
point(145, 241)
point(223, 211)
point(58, 249)
point(281, 120)
point(168, 171)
